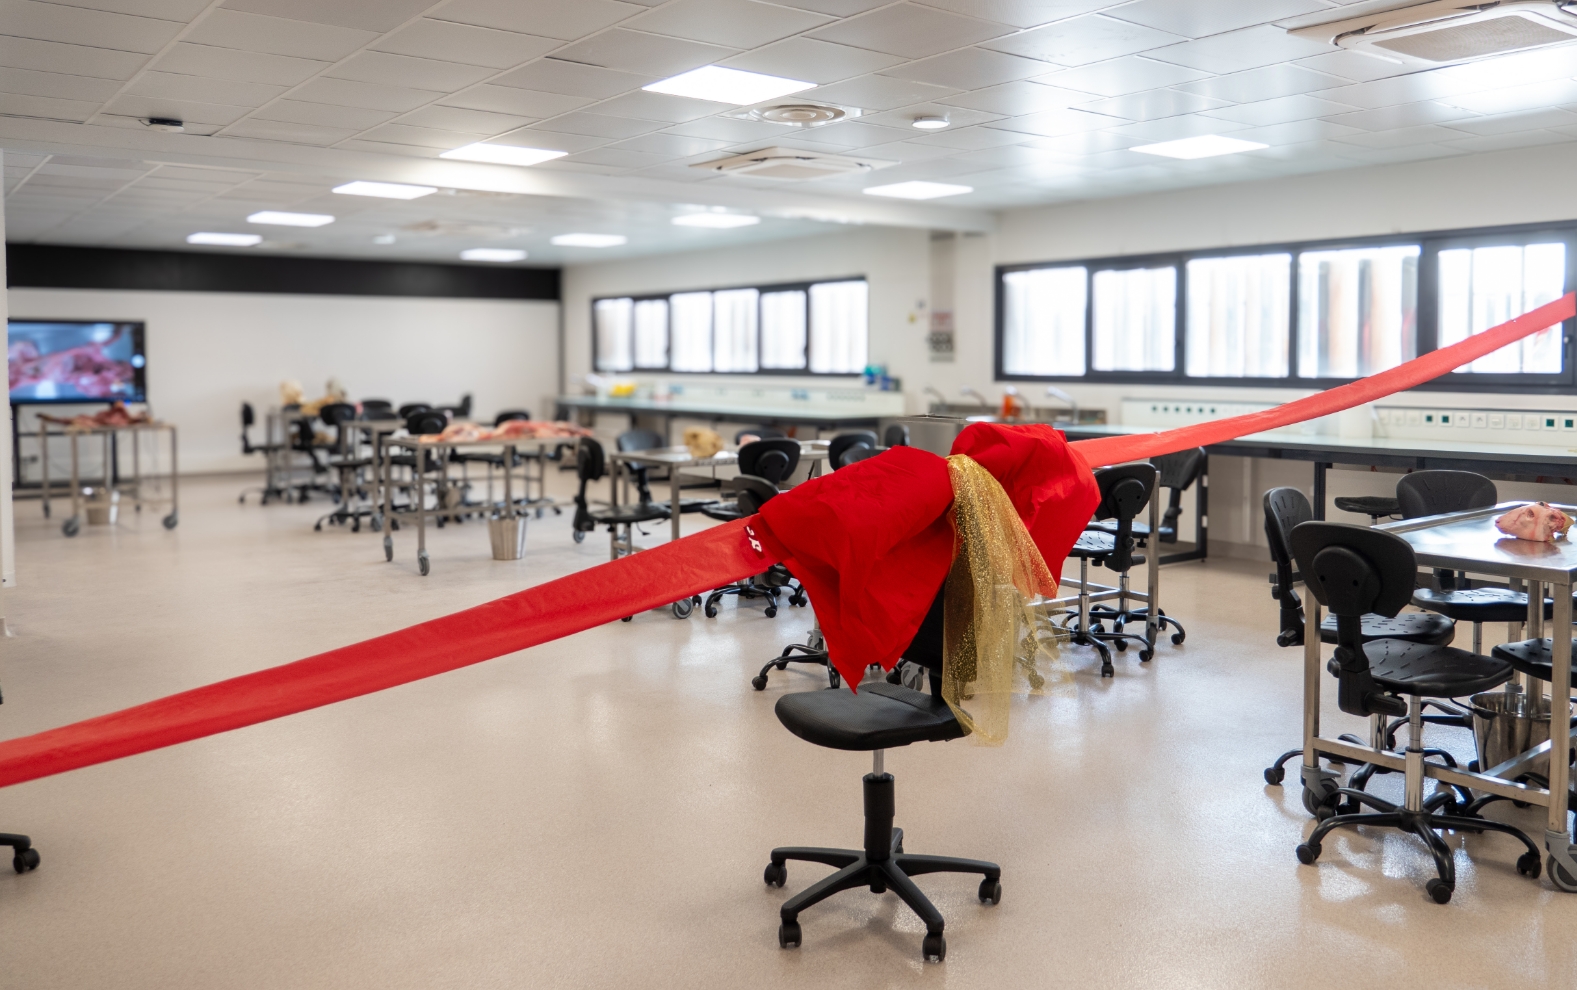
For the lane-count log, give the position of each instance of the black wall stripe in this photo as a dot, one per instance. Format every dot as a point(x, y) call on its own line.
point(49, 266)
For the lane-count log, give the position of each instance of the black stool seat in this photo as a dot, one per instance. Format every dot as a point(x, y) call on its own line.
point(1140, 530)
point(1430, 671)
point(881, 716)
point(629, 514)
point(1415, 627)
point(1530, 656)
point(1369, 505)
point(1479, 604)
point(1094, 543)
point(690, 504)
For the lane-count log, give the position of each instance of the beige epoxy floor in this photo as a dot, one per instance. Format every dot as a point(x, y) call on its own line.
point(596, 812)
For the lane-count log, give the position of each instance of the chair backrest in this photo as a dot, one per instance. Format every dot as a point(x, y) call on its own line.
point(248, 417)
point(591, 463)
point(1430, 493)
point(926, 647)
point(463, 409)
point(377, 409)
point(1355, 570)
point(511, 414)
point(425, 422)
point(896, 435)
point(845, 442)
point(773, 459)
point(640, 440)
point(1125, 490)
point(859, 454)
point(1285, 509)
point(1176, 472)
point(337, 413)
point(411, 408)
point(759, 432)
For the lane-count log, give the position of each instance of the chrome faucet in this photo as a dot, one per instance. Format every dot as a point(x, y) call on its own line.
point(1073, 403)
point(966, 390)
point(940, 398)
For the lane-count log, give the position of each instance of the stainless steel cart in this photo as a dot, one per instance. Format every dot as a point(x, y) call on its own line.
point(110, 481)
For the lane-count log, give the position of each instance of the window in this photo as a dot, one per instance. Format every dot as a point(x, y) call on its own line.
point(1357, 311)
point(1238, 312)
point(819, 328)
point(1486, 286)
point(1134, 325)
point(1043, 321)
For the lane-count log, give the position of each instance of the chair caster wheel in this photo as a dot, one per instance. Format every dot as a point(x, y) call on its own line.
point(776, 874)
point(627, 618)
point(1122, 646)
point(772, 612)
point(990, 891)
point(388, 549)
point(1528, 865)
point(71, 527)
point(1439, 890)
point(1308, 853)
point(934, 948)
point(833, 678)
point(710, 611)
point(1559, 877)
point(1145, 656)
point(25, 860)
point(759, 682)
point(1275, 775)
point(789, 935)
point(423, 564)
point(171, 521)
point(579, 536)
point(1178, 637)
point(1325, 812)
point(682, 609)
point(317, 527)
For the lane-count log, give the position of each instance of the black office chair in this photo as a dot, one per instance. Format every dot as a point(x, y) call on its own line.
point(1285, 510)
point(591, 465)
point(1176, 473)
point(412, 408)
point(882, 716)
point(759, 432)
point(269, 489)
point(1354, 571)
point(843, 443)
point(763, 466)
point(377, 409)
point(460, 410)
point(349, 465)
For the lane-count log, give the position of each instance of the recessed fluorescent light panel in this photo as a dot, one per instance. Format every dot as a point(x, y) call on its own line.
point(716, 221)
point(225, 240)
point(590, 240)
point(1204, 146)
point(503, 154)
point(290, 219)
point(919, 190)
point(720, 85)
point(385, 190)
point(931, 123)
point(492, 254)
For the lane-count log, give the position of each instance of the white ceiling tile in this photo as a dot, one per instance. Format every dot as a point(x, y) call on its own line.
point(376, 15)
point(1265, 83)
point(276, 36)
point(732, 23)
point(552, 75)
point(522, 102)
point(1352, 65)
point(423, 137)
point(465, 43)
point(1051, 123)
point(225, 176)
point(240, 66)
point(1017, 98)
point(123, 174)
point(1521, 120)
point(78, 60)
point(348, 93)
point(616, 158)
point(403, 70)
point(1083, 40)
point(79, 26)
point(1401, 136)
point(1198, 18)
point(200, 89)
point(461, 119)
point(602, 125)
point(812, 60)
point(970, 68)
point(1505, 142)
point(579, 167)
point(1399, 154)
point(169, 10)
point(959, 117)
point(1153, 105)
point(1295, 132)
point(1510, 98)
point(911, 30)
point(673, 173)
point(26, 82)
point(1022, 13)
point(550, 18)
point(671, 145)
point(899, 151)
point(853, 134)
point(728, 129)
point(876, 93)
point(88, 183)
point(1173, 128)
point(323, 115)
point(1121, 76)
point(836, 8)
point(193, 112)
point(1401, 89)
point(1281, 110)
point(550, 140)
point(652, 55)
point(386, 148)
point(1234, 51)
point(659, 106)
point(1403, 115)
point(970, 138)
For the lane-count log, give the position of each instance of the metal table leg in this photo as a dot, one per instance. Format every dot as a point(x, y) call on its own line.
point(1152, 622)
point(74, 524)
point(420, 496)
point(387, 471)
point(174, 518)
point(1320, 467)
point(1557, 835)
point(673, 499)
point(43, 462)
point(1314, 777)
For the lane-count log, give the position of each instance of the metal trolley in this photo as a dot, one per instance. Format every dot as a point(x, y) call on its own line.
point(111, 481)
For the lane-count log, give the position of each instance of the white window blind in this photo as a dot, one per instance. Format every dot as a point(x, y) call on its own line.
point(1484, 287)
point(1134, 320)
point(783, 330)
point(1043, 312)
point(839, 328)
point(651, 333)
point(734, 329)
point(690, 321)
point(613, 334)
point(1238, 316)
point(1357, 311)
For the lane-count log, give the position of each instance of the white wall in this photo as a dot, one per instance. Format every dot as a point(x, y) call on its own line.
point(210, 351)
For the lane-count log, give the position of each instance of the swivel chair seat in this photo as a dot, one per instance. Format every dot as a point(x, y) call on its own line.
point(880, 717)
point(1376, 507)
point(1353, 571)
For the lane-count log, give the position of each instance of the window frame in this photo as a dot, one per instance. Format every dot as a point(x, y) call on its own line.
point(762, 289)
point(1429, 243)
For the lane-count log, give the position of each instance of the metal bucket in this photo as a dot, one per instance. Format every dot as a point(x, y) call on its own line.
point(103, 506)
point(1507, 724)
point(508, 534)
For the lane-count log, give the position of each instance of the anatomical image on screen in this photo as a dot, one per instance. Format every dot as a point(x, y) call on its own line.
point(76, 361)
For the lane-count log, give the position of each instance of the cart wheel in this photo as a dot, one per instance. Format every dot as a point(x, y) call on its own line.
point(683, 608)
point(172, 520)
point(377, 522)
point(46, 508)
point(423, 564)
point(580, 536)
point(71, 526)
point(388, 548)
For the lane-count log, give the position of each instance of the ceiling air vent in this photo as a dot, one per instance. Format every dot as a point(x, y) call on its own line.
point(1445, 31)
point(790, 165)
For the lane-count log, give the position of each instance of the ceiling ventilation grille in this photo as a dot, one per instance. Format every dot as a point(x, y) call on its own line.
point(1447, 31)
point(791, 165)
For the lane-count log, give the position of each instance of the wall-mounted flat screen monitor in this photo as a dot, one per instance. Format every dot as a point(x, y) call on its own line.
point(76, 361)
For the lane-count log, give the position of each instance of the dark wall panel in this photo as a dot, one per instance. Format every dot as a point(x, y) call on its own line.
point(48, 266)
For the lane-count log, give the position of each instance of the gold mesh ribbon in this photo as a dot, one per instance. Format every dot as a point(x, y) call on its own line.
point(997, 637)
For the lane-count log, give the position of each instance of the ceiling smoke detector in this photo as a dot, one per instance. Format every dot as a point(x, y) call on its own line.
point(1427, 35)
point(791, 165)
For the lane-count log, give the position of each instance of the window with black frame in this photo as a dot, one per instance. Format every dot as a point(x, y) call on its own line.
point(820, 328)
point(1302, 315)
